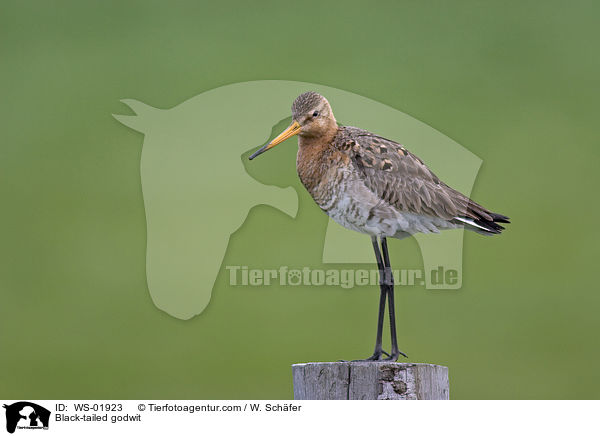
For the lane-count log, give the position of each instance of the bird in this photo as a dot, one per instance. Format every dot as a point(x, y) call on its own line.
point(375, 186)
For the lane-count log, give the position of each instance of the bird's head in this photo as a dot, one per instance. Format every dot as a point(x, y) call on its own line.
point(312, 117)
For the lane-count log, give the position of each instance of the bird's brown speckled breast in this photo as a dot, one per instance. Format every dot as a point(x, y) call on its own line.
point(322, 169)
point(326, 171)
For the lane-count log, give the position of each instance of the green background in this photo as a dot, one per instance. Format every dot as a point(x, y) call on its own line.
point(514, 82)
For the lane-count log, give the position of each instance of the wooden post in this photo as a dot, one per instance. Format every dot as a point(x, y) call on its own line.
point(370, 381)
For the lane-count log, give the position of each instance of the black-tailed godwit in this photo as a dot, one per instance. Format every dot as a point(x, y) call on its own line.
point(375, 186)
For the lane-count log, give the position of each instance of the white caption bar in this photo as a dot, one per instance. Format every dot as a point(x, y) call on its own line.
point(298, 417)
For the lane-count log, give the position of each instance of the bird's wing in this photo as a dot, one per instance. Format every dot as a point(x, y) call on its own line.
point(402, 180)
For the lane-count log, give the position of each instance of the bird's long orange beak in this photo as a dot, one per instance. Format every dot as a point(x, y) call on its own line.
point(292, 130)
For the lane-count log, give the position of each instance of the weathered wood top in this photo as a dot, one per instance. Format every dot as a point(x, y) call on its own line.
point(370, 381)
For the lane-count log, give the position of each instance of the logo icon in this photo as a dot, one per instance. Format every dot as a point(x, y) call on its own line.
point(26, 415)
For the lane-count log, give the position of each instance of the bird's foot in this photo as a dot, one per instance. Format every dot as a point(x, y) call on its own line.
point(377, 355)
point(394, 356)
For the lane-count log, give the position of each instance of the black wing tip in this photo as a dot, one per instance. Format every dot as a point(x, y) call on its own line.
point(492, 227)
point(499, 218)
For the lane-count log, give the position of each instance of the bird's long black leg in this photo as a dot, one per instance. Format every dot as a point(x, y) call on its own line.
point(389, 283)
point(382, 297)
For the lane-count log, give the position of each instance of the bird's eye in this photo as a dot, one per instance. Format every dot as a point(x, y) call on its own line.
point(315, 113)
